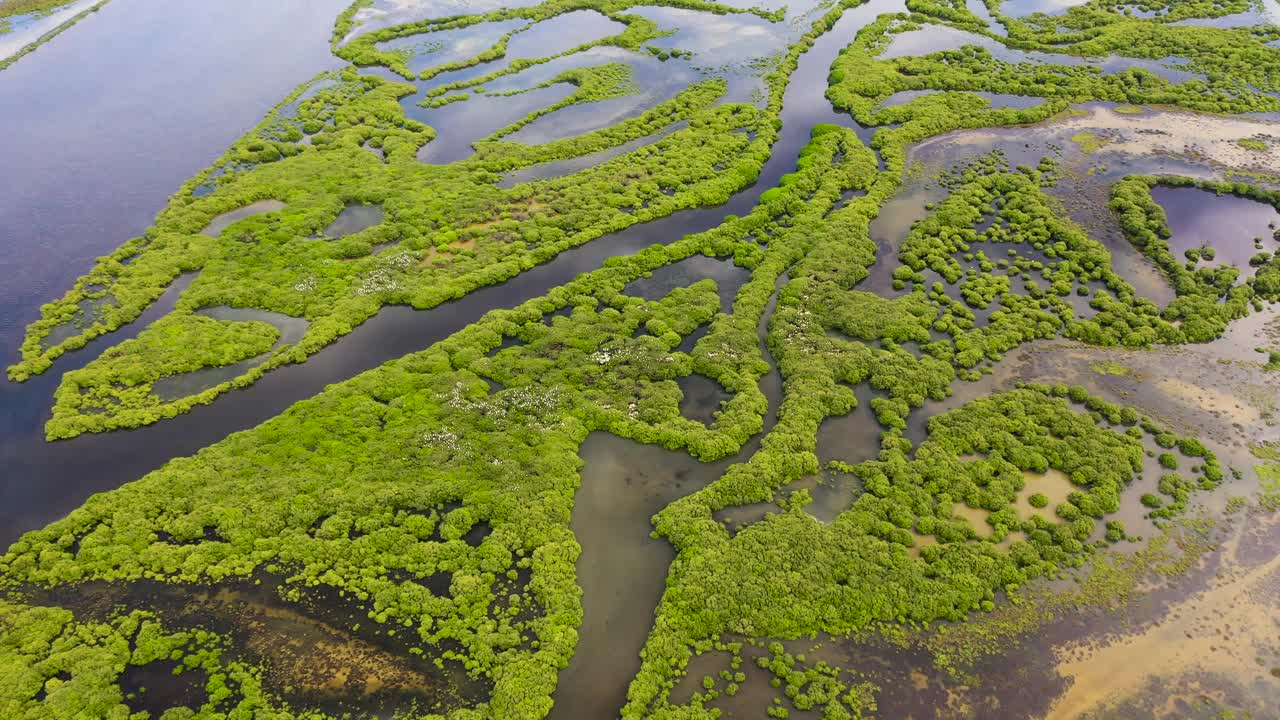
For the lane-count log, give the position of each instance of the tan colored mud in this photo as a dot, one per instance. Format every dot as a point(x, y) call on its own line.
point(309, 655)
point(1209, 139)
point(1227, 630)
point(1054, 484)
point(1210, 399)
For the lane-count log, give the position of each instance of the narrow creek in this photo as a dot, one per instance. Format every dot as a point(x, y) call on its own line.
point(622, 570)
point(49, 480)
point(290, 329)
point(92, 152)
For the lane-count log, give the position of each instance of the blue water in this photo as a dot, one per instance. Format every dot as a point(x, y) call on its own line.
point(101, 125)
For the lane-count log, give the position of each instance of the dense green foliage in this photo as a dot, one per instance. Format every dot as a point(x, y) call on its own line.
point(447, 229)
point(434, 494)
point(55, 666)
point(9, 8)
point(380, 484)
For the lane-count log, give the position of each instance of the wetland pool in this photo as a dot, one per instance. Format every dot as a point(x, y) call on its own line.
point(392, 333)
point(94, 182)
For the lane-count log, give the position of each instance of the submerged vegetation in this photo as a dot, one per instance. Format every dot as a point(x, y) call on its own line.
point(430, 499)
point(14, 10)
point(9, 8)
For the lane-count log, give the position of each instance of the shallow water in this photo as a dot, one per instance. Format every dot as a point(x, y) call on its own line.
point(853, 437)
point(316, 660)
point(1053, 484)
point(88, 311)
point(550, 37)
point(447, 46)
point(621, 570)
point(291, 330)
point(1228, 224)
point(718, 40)
point(388, 13)
point(831, 493)
point(891, 227)
point(722, 45)
point(27, 29)
point(729, 278)
point(353, 219)
point(936, 38)
point(1244, 19)
point(560, 33)
point(702, 398)
point(655, 81)
point(223, 221)
point(1022, 8)
point(462, 123)
point(289, 110)
point(980, 9)
point(560, 168)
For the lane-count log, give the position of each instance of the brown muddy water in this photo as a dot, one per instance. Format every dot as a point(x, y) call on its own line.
point(1196, 642)
point(1199, 638)
point(312, 655)
point(622, 570)
point(1214, 626)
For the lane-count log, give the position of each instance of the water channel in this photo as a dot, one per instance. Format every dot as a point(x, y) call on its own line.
point(70, 206)
point(37, 492)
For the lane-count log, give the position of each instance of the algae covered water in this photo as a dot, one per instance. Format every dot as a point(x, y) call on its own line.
point(662, 359)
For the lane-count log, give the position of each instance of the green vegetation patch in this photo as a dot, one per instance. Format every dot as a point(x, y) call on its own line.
point(443, 243)
point(447, 230)
point(9, 8)
point(1110, 367)
point(444, 474)
point(55, 666)
point(1268, 474)
point(434, 494)
point(1089, 143)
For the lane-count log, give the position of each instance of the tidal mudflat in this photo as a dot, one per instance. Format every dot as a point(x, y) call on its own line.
point(657, 359)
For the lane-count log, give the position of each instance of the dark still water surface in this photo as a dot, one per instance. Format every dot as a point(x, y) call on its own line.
point(85, 212)
point(103, 123)
point(100, 126)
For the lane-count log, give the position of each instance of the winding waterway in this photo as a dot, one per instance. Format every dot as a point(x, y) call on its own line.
point(100, 127)
point(622, 569)
point(47, 480)
point(97, 147)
